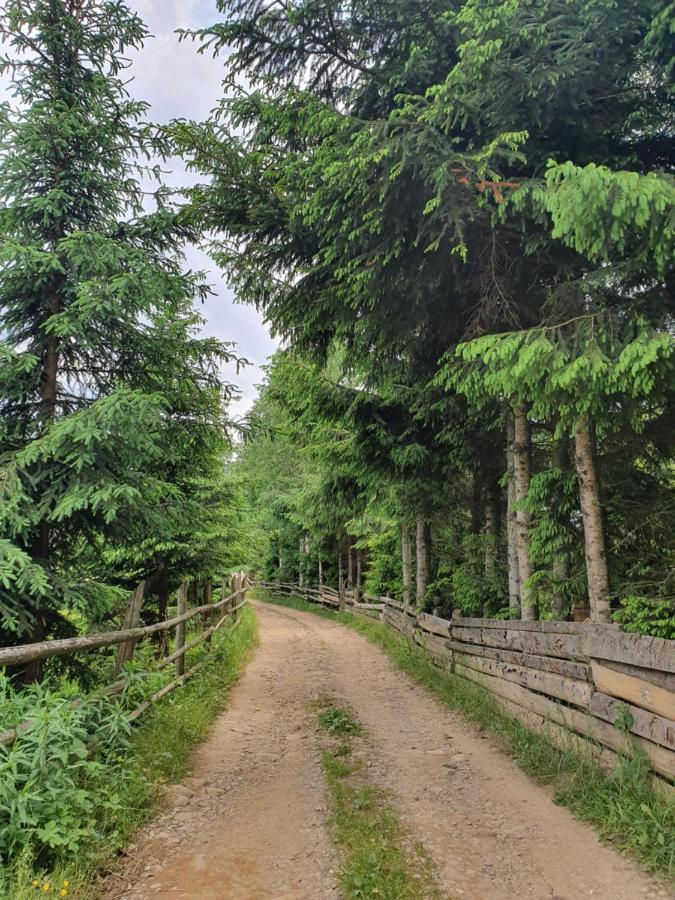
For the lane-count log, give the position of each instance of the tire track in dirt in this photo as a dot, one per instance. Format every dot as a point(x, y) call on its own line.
point(249, 824)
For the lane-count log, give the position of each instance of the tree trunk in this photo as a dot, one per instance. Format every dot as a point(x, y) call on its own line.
point(320, 573)
point(163, 605)
point(491, 527)
point(359, 576)
point(561, 562)
point(301, 568)
point(591, 513)
point(350, 564)
point(406, 558)
point(422, 567)
point(281, 567)
point(341, 576)
point(521, 463)
point(512, 524)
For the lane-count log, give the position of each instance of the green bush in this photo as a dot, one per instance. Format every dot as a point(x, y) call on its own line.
point(644, 615)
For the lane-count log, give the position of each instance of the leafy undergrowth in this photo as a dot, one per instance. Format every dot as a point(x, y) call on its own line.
point(77, 785)
point(377, 857)
point(621, 805)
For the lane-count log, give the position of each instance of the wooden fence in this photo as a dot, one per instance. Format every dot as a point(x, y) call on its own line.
point(233, 599)
point(590, 686)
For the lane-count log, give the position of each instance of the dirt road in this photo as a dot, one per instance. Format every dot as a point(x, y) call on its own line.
point(250, 824)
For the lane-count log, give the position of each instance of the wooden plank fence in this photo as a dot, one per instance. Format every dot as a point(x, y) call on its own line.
point(233, 599)
point(592, 687)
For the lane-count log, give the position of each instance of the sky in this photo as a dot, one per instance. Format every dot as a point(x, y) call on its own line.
point(178, 82)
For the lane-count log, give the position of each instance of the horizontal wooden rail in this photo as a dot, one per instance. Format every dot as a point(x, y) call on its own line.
point(9, 736)
point(14, 656)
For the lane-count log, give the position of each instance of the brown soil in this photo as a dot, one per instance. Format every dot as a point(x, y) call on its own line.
point(250, 824)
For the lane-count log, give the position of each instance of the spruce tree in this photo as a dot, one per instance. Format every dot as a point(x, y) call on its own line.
point(93, 302)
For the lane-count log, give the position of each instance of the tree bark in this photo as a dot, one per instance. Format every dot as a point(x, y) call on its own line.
point(341, 576)
point(350, 563)
point(163, 605)
point(512, 524)
point(301, 568)
point(591, 513)
point(358, 580)
point(561, 562)
point(521, 461)
point(422, 567)
point(406, 560)
point(491, 527)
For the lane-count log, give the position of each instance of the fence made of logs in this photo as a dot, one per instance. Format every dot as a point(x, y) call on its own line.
point(214, 616)
point(593, 688)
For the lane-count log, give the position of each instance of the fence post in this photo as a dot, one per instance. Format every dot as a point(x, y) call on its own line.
point(181, 608)
point(132, 615)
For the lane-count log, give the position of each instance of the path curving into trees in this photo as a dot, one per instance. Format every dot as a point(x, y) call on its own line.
point(251, 822)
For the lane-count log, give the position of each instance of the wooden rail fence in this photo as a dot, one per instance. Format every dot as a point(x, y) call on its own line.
point(233, 599)
point(594, 687)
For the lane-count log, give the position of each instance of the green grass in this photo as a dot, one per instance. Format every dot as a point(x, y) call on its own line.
point(163, 748)
point(622, 805)
point(377, 857)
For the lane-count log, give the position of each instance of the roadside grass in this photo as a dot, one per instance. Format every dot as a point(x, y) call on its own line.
point(162, 752)
point(378, 858)
point(621, 805)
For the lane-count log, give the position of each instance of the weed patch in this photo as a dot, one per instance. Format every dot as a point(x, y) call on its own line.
point(377, 857)
point(125, 770)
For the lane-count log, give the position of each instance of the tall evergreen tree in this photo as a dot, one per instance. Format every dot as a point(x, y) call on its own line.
point(93, 300)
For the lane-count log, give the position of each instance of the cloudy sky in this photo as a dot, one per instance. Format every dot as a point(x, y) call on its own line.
point(179, 82)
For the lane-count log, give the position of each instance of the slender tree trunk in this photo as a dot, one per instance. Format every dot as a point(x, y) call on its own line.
point(512, 524)
point(422, 567)
point(320, 573)
point(561, 562)
point(281, 567)
point(521, 462)
point(163, 604)
point(301, 568)
point(341, 576)
point(491, 527)
point(591, 512)
point(406, 559)
point(350, 564)
point(359, 576)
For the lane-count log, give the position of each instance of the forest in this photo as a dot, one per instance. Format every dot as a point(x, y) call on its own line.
point(458, 219)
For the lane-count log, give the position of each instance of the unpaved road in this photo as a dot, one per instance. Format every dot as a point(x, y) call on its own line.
point(250, 824)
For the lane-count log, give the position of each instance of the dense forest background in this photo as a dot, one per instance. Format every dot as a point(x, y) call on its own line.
point(457, 216)
point(460, 219)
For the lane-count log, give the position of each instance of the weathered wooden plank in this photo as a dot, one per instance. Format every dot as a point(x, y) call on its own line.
point(645, 724)
point(574, 720)
point(434, 645)
point(132, 616)
point(654, 676)
point(564, 646)
point(634, 649)
point(568, 689)
point(434, 624)
point(540, 626)
point(581, 671)
point(635, 690)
